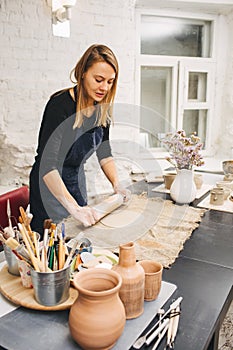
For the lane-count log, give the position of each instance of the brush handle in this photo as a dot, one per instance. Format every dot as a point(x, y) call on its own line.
point(36, 245)
point(25, 239)
point(61, 255)
point(2, 238)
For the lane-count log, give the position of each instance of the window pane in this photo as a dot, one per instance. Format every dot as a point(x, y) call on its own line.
point(175, 36)
point(196, 121)
point(197, 86)
point(156, 96)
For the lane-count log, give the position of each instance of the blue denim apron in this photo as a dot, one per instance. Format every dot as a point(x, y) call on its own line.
point(73, 174)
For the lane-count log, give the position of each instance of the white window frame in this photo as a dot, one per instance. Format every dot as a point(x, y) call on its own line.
point(180, 67)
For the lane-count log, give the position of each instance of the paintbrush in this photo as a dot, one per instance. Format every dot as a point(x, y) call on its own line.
point(26, 241)
point(44, 257)
point(61, 254)
point(26, 233)
point(29, 233)
point(18, 249)
point(15, 245)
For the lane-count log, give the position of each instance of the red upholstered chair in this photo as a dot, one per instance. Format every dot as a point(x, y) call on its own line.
point(17, 198)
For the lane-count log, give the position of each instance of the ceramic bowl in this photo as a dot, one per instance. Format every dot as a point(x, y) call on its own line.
point(227, 166)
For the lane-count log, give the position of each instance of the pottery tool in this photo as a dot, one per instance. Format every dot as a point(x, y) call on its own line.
point(160, 313)
point(36, 245)
point(44, 257)
point(174, 329)
point(51, 257)
point(26, 241)
point(161, 335)
point(18, 249)
point(31, 234)
point(29, 215)
point(157, 331)
point(10, 228)
point(61, 254)
point(50, 245)
point(108, 205)
point(2, 238)
point(169, 331)
point(23, 219)
point(13, 244)
point(71, 253)
point(140, 341)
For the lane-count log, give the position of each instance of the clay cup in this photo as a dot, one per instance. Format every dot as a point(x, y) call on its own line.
point(198, 181)
point(168, 180)
point(153, 278)
point(217, 196)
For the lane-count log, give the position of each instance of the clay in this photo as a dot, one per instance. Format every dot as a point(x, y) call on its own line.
point(91, 320)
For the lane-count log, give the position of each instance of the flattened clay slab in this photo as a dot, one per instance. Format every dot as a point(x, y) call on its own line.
point(135, 218)
point(120, 218)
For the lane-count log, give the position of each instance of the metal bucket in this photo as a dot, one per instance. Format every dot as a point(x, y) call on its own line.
point(51, 288)
point(11, 260)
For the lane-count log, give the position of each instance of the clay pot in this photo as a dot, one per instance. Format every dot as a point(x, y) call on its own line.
point(168, 180)
point(97, 317)
point(133, 281)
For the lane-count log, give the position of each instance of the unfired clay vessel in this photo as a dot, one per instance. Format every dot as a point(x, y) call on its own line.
point(133, 280)
point(97, 317)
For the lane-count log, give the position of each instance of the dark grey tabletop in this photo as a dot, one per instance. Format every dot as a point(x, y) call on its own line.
point(203, 274)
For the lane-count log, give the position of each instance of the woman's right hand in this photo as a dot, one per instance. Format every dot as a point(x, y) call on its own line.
point(86, 215)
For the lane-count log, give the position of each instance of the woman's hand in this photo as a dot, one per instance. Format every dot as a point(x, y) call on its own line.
point(86, 215)
point(126, 194)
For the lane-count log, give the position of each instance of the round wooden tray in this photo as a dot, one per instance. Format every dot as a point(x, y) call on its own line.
point(11, 287)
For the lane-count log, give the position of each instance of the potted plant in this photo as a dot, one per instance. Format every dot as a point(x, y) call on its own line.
point(185, 154)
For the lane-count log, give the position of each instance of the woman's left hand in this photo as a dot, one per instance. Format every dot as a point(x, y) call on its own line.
point(126, 194)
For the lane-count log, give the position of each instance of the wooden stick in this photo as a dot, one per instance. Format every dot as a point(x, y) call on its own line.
point(2, 238)
point(36, 245)
point(25, 239)
point(22, 223)
point(26, 222)
point(61, 255)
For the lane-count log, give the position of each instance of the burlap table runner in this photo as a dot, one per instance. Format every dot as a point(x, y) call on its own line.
point(159, 229)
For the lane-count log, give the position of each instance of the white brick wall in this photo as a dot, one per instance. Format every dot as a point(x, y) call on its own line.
point(34, 64)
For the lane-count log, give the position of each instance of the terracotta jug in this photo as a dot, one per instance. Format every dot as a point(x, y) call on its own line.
point(97, 317)
point(133, 280)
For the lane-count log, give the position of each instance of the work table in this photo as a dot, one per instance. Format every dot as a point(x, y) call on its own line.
point(203, 274)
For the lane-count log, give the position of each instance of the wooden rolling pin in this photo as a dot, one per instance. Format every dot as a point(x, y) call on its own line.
point(108, 205)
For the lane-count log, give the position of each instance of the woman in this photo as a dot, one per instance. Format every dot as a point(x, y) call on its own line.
point(75, 124)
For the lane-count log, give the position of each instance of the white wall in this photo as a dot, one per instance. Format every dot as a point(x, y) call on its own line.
point(34, 64)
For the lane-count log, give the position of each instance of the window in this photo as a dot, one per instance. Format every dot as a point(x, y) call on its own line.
point(175, 36)
point(175, 71)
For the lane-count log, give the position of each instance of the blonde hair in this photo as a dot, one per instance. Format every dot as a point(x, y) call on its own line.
point(95, 53)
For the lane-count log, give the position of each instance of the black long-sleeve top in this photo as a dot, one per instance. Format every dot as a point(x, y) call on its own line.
point(66, 149)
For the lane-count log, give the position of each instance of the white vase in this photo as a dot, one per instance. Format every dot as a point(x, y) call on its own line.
point(183, 189)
